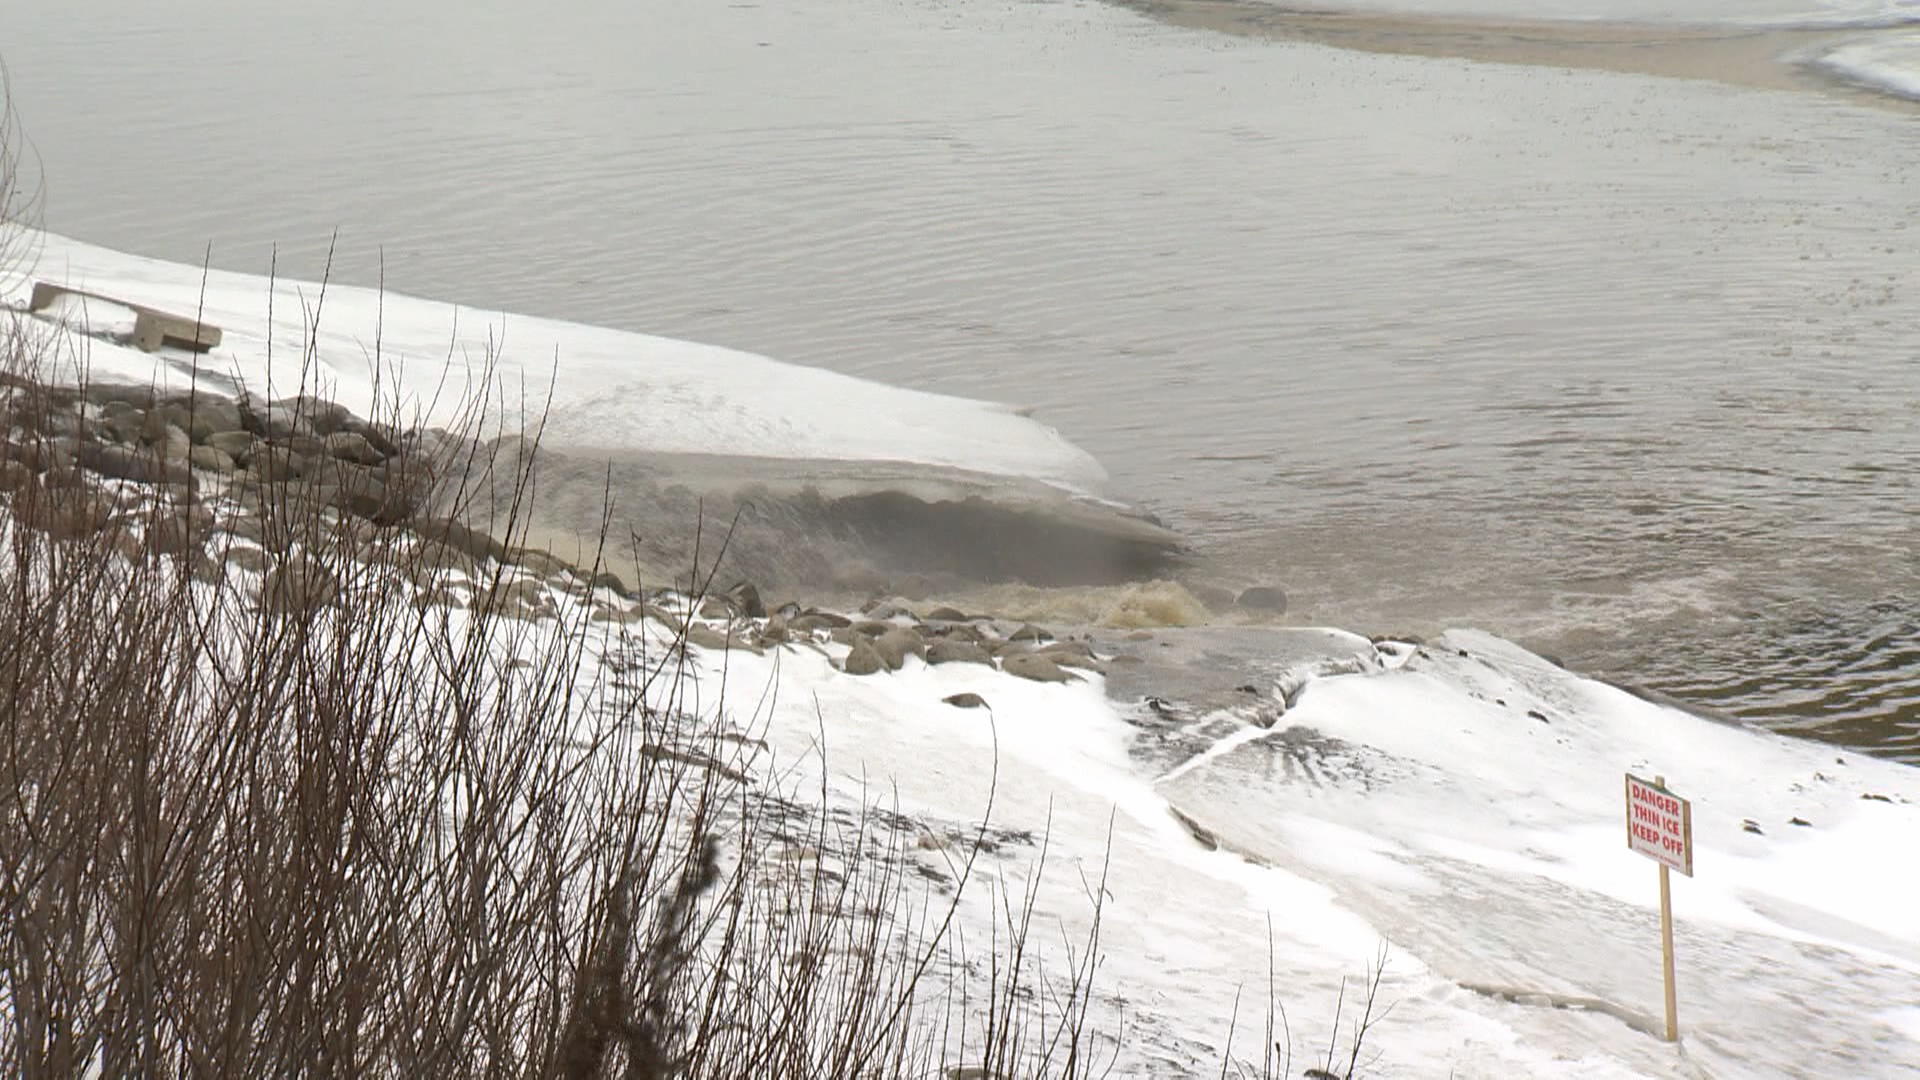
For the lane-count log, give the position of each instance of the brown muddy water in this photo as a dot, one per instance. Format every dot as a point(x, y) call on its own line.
point(1622, 366)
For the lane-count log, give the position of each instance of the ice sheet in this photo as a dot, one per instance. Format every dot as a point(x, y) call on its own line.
point(610, 389)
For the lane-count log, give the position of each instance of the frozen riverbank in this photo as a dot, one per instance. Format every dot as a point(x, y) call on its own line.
point(841, 483)
point(1262, 810)
point(1619, 365)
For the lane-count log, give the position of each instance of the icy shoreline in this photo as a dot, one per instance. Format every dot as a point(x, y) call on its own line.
point(837, 482)
point(610, 390)
point(1274, 804)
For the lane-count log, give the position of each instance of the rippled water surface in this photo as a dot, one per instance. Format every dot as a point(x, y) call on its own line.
point(1628, 368)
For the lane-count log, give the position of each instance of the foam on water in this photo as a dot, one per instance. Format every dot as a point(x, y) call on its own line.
point(1888, 62)
point(1769, 13)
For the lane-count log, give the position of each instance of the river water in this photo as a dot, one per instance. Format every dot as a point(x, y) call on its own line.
point(1622, 366)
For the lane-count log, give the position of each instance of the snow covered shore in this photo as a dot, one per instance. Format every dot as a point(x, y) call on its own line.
point(611, 390)
point(1456, 800)
point(1413, 796)
point(837, 482)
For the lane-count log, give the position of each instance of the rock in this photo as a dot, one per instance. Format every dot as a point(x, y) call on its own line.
point(746, 600)
point(141, 467)
point(607, 579)
point(522, 598)
point(273, 422)
point(382, 438)
point(1262, 598)
point(1074, 654)
point(15, 477)
point(828, 618)
point(1036, 667)
point(40, 454)
point(808, 624)
point(360, 492)
point(173, 444)
point(399, 499)
point(174, 534)
point(318, 416)
point(946, 614)
point(871, 627)
point(541, 562)
point(887, 610)
point(706, 637)
point(468, 541)
point(307, 446)
point(966, 701)
point(278, 464)
point(897, 644)
point(121, 422)
point(1063, 650)
point(299, 586)
point(864, 659)
point(128, 395)
point(963, 631)
point(437, 596)
point(350, 446)
point(951, 651)
point(664, 617)
point(1030, 632)
point(66, 514)
point(211, 459)
point(435, 559)
point(716, 607)
point(237, 445)
point(199, 415)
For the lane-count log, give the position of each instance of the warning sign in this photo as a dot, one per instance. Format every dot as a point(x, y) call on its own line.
point(1659, 824)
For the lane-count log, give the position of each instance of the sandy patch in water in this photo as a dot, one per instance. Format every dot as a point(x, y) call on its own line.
point(1767, 59)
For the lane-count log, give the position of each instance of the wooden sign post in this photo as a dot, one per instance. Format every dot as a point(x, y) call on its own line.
point(1660, 826)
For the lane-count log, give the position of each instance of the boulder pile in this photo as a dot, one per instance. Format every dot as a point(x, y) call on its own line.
point(268, 487)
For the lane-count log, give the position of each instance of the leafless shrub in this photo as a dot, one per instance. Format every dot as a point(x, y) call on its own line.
point(20, 187)
point(268, 808)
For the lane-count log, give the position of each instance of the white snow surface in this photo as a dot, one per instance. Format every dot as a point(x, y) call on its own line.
point(1485, 847)
point(611, 389)
point(1460, 804)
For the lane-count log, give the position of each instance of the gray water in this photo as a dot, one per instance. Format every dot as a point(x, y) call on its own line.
point(1626, 368)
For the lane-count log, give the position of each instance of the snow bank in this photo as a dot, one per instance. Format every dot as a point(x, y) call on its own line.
point(1468, 802)
point(1420, 804)
point(611, 389)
